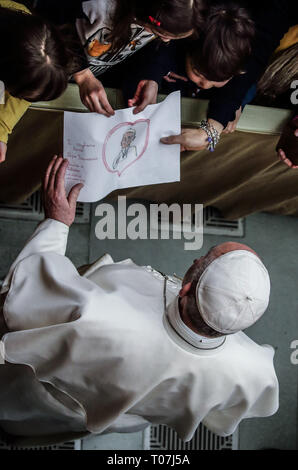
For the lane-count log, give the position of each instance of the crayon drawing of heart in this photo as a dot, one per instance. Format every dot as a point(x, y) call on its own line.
point(125, 144)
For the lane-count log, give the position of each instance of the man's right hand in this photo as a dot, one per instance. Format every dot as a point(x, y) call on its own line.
point(3, 149)
point(57, 205)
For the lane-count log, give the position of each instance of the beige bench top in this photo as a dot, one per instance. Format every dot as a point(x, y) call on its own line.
point(256, 119)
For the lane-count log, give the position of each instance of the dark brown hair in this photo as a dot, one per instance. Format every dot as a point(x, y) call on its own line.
point(225, 44)
point(35, 62)
point(176, 17)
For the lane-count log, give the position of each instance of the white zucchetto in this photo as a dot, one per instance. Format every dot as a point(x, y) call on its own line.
point(233, 291)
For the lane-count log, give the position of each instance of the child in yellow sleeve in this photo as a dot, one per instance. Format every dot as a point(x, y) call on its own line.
point(10, 113)
point(35, 64)
point(13, 108)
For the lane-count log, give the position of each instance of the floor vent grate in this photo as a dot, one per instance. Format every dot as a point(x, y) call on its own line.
point(71, 445)
point(161, 438)
point(31, 209)
point(215, 224)
point(165, 438)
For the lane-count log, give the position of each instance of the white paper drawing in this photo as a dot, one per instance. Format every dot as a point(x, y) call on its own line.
point(122, 151)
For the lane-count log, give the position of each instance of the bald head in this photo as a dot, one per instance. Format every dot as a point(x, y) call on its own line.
point(226, 247)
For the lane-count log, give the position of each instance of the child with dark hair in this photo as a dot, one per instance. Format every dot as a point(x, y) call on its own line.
point(223, 48)
point(223, 65)
point(111, 31)
point(35, 64)
point(272, 20)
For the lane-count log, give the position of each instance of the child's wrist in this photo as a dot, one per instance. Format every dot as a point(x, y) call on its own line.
point(213, 135)
point(217, 125)
point(81, 76)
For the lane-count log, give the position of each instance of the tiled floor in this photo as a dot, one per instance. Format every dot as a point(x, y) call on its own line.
point(274, 238)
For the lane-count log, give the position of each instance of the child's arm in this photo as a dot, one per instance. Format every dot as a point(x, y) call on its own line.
point(10, 113)
point(271, 25)
point(144, 72)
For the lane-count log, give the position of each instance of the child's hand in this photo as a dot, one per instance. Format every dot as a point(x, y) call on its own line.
point(3, 149)
point(93, 94)
point(231, 127)
point(287, 145)
point(145, 94)
point(172, 77)
point(282, 155)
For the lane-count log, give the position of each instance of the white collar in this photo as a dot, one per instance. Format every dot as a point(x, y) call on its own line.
point(196, 340)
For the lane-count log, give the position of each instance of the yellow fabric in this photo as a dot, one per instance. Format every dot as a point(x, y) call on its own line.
point(10, 113)
point(13, 5)
point(289, 39)
point(14, 108)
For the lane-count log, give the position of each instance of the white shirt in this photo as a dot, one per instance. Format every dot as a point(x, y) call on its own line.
point(104, 341)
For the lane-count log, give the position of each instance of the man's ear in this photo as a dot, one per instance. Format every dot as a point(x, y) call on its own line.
point(185, 289)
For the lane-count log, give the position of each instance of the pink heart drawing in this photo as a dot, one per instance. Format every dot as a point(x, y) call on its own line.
point(125, 146)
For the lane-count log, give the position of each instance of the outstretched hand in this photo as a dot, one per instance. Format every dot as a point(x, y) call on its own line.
point(189, 139)
point(192, 139)
point(145, 94)
point(57, 205)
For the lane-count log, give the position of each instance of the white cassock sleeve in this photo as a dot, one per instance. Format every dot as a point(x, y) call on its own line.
point(257, 397)
point(49, 236)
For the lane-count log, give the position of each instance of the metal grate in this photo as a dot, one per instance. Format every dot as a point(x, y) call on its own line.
point(32, 209)
point(210, 221)
point(71, 445)
point(215, 224)
point(165, 438)
point(161, 438)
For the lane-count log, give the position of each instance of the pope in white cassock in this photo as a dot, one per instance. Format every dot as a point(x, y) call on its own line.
point(123, 346)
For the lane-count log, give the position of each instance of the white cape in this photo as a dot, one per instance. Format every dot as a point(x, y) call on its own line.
point(104, 341)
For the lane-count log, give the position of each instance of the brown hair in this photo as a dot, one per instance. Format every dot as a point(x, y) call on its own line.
point(192, 311)
point(225, 44)
point(176, 17)
point(280, 73)
point(35, 61)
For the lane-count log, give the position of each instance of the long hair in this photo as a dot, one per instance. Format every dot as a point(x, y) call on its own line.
point(35, 62)
point(280, 73)
point(225, 44)
point(176, 17)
